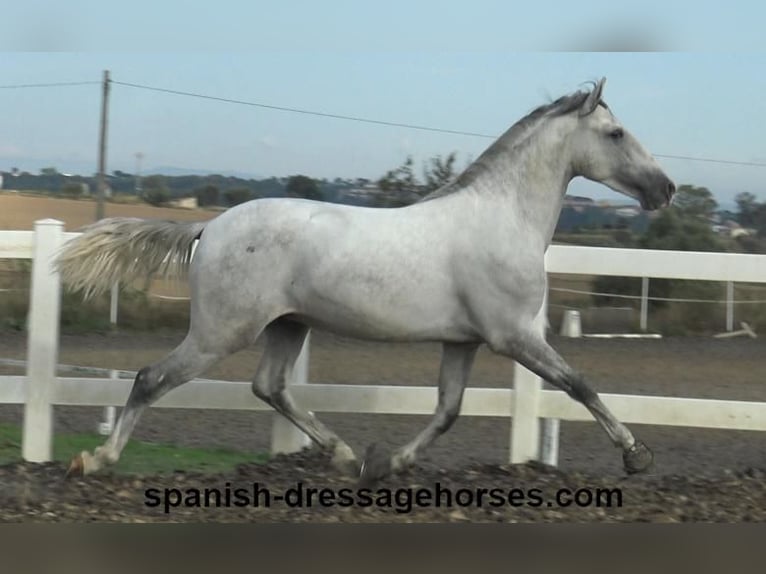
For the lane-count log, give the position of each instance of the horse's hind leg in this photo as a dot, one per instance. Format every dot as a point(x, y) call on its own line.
point(284, 340)
point(184, 363)
point(457, 360)
point(534, 352)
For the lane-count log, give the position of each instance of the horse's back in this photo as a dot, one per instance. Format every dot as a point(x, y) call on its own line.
point(357, 271)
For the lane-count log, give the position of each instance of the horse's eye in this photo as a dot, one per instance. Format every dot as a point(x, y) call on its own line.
point(616, 134)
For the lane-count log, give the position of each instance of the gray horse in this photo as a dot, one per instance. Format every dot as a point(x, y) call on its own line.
point(465, 266)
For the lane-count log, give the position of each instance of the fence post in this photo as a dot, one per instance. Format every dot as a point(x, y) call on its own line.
point(525, 424)
point(285, 436)
point(644, 303)
point(549, 444)
point(106, 426)
point(729, 306)
point(113, 302)
point(550, 428)
point(42, 343)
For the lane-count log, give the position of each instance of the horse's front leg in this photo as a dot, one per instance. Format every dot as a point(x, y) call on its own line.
point(457, 360)
point(531, 350)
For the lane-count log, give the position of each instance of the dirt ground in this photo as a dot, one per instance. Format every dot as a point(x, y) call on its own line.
point(19, 211)
point(698, 474)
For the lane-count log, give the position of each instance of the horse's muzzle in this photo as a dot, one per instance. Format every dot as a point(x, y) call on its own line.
point(670, 191)
point(659, 195)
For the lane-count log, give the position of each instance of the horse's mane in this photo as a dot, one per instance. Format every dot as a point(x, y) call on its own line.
point(511, 138)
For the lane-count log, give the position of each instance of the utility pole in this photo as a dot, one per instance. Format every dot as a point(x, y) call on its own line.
point(139, 157)
point(102, 148)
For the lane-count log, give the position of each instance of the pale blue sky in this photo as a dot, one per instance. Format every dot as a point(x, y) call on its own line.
point(389, 64)
point(375, 25)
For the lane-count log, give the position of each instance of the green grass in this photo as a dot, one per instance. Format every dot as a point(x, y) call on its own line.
point(137, 458)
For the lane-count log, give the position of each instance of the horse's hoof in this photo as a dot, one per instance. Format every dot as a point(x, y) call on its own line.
point(76, 467)
point(344, 460)
point(347, 467)
point(637, 458)
point(376, 465)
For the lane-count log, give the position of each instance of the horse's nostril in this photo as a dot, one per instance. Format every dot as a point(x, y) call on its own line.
point(671, 189)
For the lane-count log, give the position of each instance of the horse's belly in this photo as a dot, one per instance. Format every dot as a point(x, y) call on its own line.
point(409, 320)
point(387, 330)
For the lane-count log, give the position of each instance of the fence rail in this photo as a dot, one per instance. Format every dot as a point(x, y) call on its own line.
point(401, 400)
point(526, 404)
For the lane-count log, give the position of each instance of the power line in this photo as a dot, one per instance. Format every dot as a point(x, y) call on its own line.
point(306, 112)
point(711, 160)
point(48, 85)
point(344, 117)
point(392, 124)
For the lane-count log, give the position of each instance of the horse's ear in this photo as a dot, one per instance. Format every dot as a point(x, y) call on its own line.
point(593, 98)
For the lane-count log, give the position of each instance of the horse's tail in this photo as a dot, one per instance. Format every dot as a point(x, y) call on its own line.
point(125, 249)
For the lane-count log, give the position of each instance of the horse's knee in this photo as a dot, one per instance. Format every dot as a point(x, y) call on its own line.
point(580, 390)
point(143, 386)
point(261, 388)
point(451, 413)
point(448, 417)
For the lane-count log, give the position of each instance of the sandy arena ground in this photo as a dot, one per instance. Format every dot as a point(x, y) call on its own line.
point(698, 474)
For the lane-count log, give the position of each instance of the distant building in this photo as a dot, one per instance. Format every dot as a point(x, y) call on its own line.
point(184, 203)
point(732, 229)
point(627, 211)
point(577, 203)
point(575, 200)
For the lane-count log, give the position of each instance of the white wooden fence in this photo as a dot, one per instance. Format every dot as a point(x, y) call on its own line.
point(526, 404)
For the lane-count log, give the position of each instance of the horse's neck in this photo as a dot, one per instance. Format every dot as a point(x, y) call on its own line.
point(527, 189)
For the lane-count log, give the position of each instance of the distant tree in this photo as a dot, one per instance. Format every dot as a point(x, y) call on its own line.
point(302, 186)
point(270, 187)
point(400, 179)
point(695, 202)
point(746, 208)
point(439, 171)
point(237, 195)
point(156, 196)
point(155, 190)
point(751, 244)
point(684, 227)
point(622, 223)
point(73, 190)
point(751, 214)
point(207, 195)
point(624, 237)
point(49, 171)
point(675, 229)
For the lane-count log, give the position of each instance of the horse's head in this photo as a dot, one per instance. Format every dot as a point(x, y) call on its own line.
point(604, 151)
